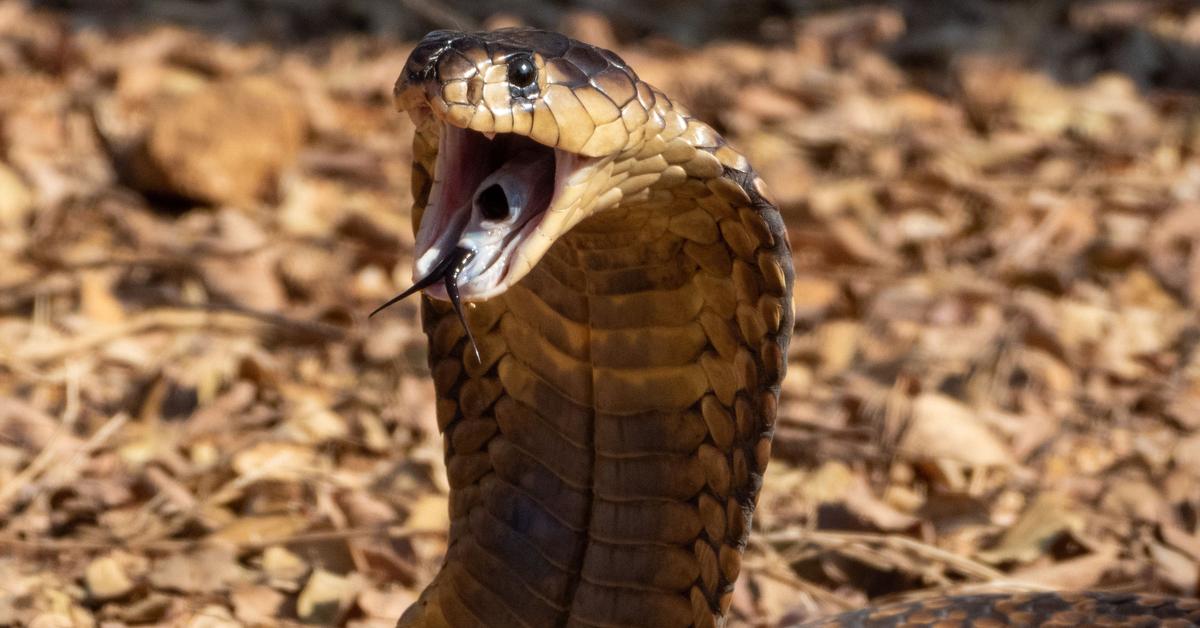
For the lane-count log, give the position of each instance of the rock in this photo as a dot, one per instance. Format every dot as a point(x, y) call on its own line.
point(224, 143)
point(325, 598)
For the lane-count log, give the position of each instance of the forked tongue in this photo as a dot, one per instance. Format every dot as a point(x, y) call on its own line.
point(447, 271)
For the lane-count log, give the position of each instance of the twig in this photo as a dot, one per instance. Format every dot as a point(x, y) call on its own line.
point(307, 328)
point(53, 454)
point(771, 569)
point(172, 545)
point(224, 318)
point(835, 540)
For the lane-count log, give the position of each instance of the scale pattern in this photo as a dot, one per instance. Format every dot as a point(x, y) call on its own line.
point(606, 450)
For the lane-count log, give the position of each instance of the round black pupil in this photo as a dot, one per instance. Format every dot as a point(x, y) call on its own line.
point(520, 72)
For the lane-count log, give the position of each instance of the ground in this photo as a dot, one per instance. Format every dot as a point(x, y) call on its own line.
point(994, 382)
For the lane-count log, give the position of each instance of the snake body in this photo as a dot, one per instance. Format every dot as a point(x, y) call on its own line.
point(608, 419)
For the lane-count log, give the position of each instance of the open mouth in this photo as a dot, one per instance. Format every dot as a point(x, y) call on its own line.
point(489, 194)
point(485, 224)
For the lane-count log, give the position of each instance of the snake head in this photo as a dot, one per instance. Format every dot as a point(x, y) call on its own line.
point(527, 126)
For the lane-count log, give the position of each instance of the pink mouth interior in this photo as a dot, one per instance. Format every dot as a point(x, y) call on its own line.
point(468, 157)
point(490, 193)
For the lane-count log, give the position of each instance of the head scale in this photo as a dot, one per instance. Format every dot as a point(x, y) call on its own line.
point(518, 130)
point(582, 99)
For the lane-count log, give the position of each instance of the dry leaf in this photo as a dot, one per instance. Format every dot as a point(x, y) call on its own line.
point(276, 461)
point(212, 616)
point(211, 569)
point(943, 428)
point(107, 578)
point(430, 512)
point(260, 530)
point(15, 200)
point(282, 565)
point(1076, 574)
point(256, 604)
point(1008, 239)
point(325, 598)
point(1181, 571)
point(387, 603)
point(837, 343)
point(1049, 516)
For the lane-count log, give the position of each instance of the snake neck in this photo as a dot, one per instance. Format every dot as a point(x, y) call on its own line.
point(605, 452)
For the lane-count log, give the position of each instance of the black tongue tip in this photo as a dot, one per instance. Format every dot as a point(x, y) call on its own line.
point(462, 258)
point(447, 271)
point(434, 275)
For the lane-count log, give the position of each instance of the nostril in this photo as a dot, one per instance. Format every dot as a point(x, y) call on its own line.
point(493, 202)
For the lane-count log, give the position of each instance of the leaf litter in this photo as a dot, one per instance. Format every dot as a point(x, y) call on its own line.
point(994, 382)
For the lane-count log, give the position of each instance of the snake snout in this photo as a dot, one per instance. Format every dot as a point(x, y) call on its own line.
point(518, 128)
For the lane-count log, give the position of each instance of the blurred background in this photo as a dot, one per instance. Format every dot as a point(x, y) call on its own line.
point(995, 214)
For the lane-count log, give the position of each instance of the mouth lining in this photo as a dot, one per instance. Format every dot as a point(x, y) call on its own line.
point(490, 193)
point(519, 185)
point(493, 202)
point(497, 203)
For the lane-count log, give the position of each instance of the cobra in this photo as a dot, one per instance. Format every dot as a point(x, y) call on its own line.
point(606, 293)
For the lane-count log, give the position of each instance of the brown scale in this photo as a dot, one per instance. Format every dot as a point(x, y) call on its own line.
point(606, 446)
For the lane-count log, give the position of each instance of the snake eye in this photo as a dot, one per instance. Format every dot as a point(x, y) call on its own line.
point(521, 71)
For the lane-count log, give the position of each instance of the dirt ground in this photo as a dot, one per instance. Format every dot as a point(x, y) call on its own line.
point(994, 382)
